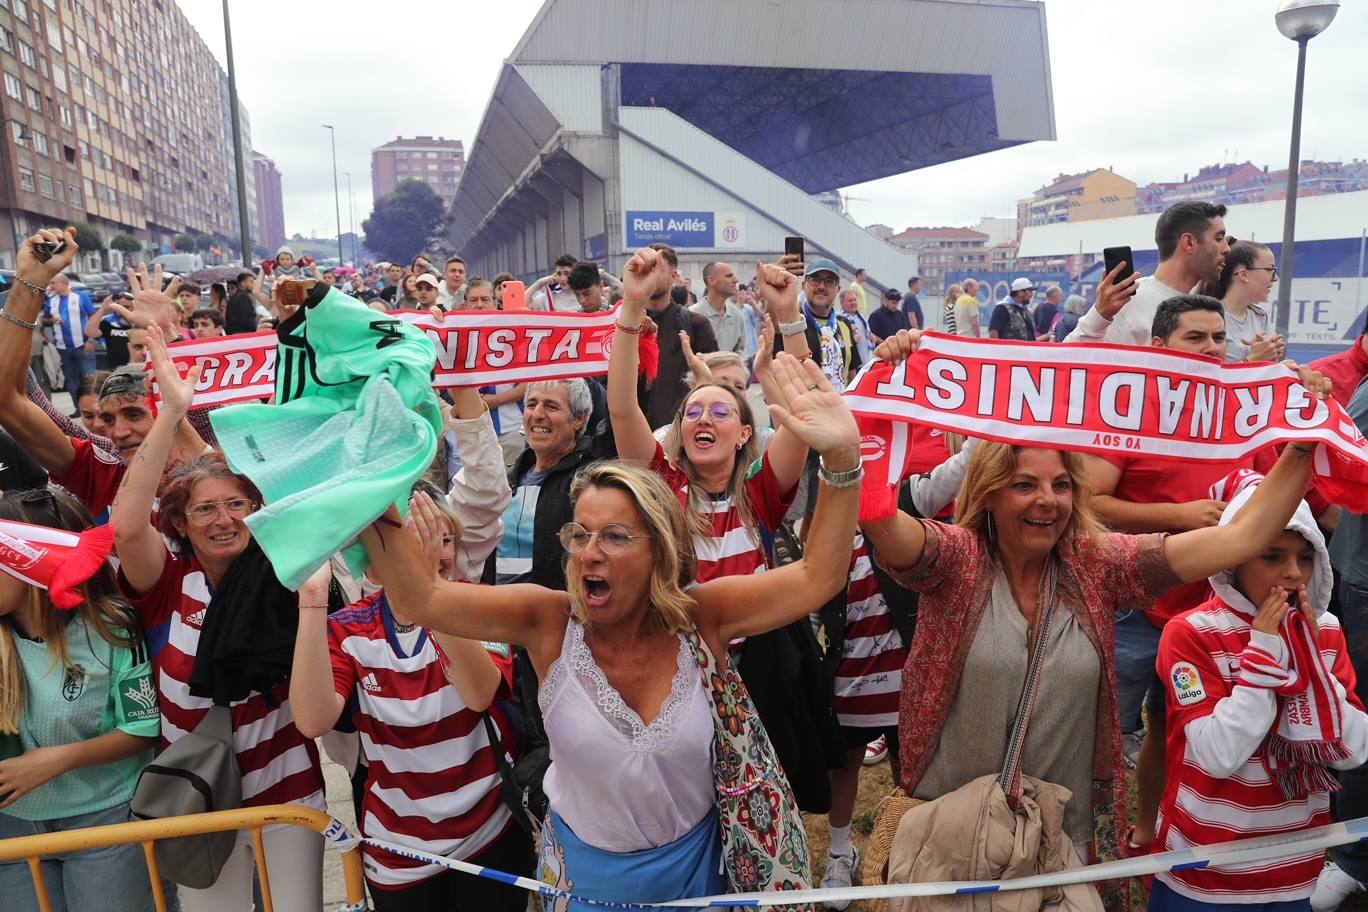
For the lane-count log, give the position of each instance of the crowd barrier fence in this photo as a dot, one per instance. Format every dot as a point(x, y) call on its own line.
point(148, 832)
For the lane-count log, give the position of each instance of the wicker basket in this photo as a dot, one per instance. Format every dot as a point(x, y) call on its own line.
point(888, 815)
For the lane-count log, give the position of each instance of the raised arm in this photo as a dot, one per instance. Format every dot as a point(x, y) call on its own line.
point(899, 539)
point(787, 452)
point(141, 550)
point(28, 424)
point(314, 701)
point(526, 615)
point(1111, 297)
point(1198, 554)
point(735, 606)
point(479, 490)
point(92, 327)
point(631, 430)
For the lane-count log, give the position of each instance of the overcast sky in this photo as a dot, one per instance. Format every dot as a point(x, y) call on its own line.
point(1153, 90)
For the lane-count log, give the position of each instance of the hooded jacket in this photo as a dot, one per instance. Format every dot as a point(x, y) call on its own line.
point(1219, 785)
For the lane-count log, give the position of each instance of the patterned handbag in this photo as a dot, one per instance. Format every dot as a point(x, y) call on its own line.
point(763, 837)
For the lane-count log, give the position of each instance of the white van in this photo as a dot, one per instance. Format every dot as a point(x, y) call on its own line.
point(179, 263)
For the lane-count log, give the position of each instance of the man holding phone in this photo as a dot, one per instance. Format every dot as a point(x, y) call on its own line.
point(1191, 237)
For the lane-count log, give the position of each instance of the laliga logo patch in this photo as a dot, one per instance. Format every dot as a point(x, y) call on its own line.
point(872, 448)
point(1187, 684)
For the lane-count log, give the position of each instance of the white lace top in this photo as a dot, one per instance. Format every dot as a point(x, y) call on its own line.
point(620, 785)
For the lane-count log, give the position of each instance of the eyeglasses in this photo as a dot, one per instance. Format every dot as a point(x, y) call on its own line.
point(1271, 269)
point(204, 513)
point(612, 538)
point(718, 411)
point(824, 283)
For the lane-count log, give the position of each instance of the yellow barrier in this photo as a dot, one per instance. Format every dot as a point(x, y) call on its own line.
point(148, 832)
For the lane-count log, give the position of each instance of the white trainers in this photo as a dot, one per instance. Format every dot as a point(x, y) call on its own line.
point(876, 751)
point(840, 870)
point(1332, 888)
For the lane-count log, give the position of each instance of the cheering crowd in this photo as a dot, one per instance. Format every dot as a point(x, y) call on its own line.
point(614, 632)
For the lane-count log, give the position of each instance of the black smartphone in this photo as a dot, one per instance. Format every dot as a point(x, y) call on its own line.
point(793, 244)
point(1111, 256)
point(45, 251)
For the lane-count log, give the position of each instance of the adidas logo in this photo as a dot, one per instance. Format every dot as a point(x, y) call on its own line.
point(197, 619)
point(370, 684)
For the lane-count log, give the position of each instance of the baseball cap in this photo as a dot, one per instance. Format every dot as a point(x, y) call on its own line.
point(892, 294)
point(426, 278)
point(822, 265)
point(1022, 284)
point(126, 380)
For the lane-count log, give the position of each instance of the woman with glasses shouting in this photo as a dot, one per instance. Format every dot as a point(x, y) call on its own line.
point(216, 572)
point(657, 757)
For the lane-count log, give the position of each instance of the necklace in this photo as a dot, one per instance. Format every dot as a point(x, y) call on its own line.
point(404, 628)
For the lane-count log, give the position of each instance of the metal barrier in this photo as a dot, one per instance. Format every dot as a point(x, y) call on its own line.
point(148, 832)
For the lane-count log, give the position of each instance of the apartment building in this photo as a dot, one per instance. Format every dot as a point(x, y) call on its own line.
point(270, 203)
point(112, 115)
point(437, 162)
point(943, 250)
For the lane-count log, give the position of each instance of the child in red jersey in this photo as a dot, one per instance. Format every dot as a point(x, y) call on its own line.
point(1261, 709)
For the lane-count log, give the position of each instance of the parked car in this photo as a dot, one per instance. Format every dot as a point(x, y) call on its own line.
point(117, 282)
point(98, 286)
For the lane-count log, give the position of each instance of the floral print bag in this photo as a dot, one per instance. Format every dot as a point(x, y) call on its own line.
point(763, 838)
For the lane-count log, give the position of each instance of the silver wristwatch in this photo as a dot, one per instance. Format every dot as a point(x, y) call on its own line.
point(840, 479)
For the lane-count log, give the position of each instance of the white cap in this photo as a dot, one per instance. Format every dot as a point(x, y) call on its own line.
point(1022, 284)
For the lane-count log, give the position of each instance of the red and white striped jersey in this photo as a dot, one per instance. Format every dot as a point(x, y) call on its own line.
point(731, 550)
point(1201, 654)
point(277, 763)
point(869, 675)
point(433, 783)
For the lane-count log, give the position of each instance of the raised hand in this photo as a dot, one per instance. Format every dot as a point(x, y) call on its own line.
point(778, 288)
point(150, 303)
point(1316, 383)
point(810, 408)
point(898, 347)
point(697, 366)
point(646, 272)
point(427, 526)
point(37, 272)
point(177, 393)
point(1113, 295)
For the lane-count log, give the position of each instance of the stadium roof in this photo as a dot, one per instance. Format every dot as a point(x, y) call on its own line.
point(824, 93)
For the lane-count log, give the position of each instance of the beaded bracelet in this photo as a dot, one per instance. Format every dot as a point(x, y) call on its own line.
point(627, 329)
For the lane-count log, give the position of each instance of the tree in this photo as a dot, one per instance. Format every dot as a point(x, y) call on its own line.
point(126, 244)
point(401, 222)
point(185, 243)
point(88, 237)
point(204, 243)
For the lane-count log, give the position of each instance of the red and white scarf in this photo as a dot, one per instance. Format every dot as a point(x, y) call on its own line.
point(1308, 735)
point(54, 559)
point(1097, 398)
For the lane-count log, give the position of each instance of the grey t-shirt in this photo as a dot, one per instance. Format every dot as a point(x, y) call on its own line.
point(1256, 320)
point(1060, 736)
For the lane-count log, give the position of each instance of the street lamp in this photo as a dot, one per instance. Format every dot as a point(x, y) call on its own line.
point(351, 215)
point(1299, 20)
point(337, 199)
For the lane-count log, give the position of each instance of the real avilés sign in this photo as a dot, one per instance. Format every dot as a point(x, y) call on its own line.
point(685, 230)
